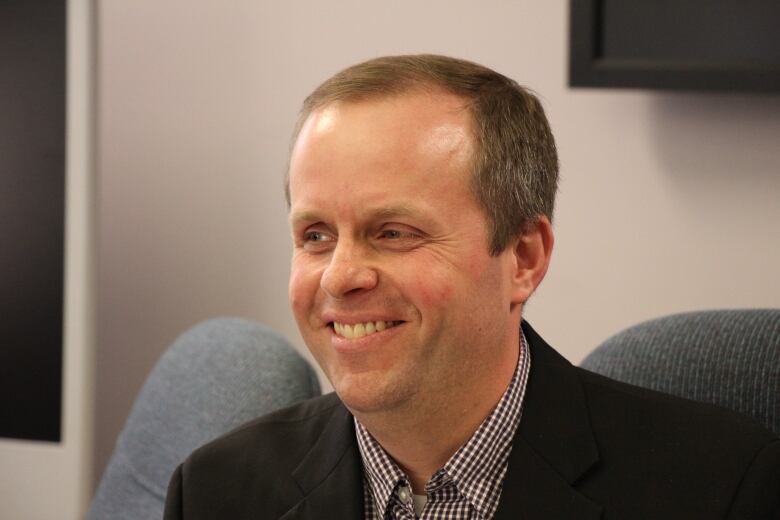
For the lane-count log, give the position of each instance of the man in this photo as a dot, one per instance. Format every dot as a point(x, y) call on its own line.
point(421, 191)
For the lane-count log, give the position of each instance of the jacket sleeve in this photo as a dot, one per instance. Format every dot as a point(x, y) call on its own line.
point(173, 508)
point(758, 495)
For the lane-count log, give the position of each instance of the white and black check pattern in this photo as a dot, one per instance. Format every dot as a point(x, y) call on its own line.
point(469, 485)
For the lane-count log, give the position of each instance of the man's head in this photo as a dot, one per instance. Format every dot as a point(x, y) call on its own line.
point(515, 163)
point(399, 283)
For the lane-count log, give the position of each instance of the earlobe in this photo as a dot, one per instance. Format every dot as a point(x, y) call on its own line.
point(532, 252)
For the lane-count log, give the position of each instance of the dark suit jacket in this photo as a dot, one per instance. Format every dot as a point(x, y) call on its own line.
point(587, 448)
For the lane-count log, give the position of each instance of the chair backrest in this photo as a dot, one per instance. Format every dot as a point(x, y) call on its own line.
point(726, 357)
point(216, 376)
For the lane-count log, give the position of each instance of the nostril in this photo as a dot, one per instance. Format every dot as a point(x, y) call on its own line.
point(340, 279)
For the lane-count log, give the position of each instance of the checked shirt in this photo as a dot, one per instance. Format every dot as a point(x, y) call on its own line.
point(468, 487)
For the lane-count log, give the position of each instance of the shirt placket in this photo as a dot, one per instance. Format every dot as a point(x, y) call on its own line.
point(401, 502)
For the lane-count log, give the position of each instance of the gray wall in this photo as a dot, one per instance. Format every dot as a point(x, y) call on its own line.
point(669, 201)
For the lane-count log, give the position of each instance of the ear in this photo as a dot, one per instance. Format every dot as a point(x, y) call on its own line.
point(532, 252)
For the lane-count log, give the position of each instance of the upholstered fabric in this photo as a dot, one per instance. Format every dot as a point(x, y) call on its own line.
point(727, 357)
point(215, 377)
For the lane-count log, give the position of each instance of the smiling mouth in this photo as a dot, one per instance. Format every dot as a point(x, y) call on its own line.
point(358, 330)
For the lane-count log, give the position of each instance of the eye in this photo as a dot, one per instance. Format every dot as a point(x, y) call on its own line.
point(391, 234)
point(316, 236)
point(316, 240)
point(398, 237)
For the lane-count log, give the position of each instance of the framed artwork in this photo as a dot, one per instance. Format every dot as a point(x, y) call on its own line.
point(726, 45)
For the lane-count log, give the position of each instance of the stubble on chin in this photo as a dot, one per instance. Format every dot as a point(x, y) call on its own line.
point(371, 394)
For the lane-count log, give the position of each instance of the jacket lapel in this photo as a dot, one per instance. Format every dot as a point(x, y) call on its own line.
point(331, 475)
point(554, 445)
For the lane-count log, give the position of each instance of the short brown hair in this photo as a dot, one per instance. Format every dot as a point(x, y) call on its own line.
point(515, 164)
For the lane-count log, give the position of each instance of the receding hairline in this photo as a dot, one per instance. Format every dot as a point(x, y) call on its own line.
point(394, 74)
point(422, 87)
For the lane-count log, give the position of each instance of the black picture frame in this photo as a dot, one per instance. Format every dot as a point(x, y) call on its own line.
point(590, 66)
point(32, 217)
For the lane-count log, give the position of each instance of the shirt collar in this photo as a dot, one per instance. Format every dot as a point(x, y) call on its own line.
point(477, 468)
point(381, 472)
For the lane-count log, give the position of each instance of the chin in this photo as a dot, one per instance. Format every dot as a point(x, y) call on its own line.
point(368, 393)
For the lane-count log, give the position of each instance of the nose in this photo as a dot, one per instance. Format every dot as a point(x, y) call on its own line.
point(348, 271)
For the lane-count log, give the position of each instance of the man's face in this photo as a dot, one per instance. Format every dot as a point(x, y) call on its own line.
point(392, 285)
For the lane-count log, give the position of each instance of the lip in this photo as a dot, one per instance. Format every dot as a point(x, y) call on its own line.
point(328, 318)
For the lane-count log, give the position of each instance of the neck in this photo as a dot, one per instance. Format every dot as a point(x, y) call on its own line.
point(422, 435)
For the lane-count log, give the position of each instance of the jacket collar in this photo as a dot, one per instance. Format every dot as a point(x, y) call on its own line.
point(330, 476)
point(554, 445)
point(553, 448)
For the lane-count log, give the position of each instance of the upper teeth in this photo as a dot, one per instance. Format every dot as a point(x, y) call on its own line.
point(358, 330)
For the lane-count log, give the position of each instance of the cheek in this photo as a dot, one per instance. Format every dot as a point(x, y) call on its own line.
point(433, 291)
point(440, 281)
point(302, 287)
point(433, 286)
point(453, 286)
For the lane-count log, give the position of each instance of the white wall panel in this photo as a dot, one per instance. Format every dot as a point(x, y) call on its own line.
point(40, 480)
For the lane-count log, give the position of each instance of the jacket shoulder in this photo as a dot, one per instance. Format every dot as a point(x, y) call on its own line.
point(297, 426)
point(607, 396)
point(249, 469)
point(693, 453)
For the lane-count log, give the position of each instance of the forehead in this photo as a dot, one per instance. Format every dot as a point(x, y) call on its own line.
point(420, 138)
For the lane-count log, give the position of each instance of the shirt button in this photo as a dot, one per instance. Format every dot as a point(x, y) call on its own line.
point(404, 495)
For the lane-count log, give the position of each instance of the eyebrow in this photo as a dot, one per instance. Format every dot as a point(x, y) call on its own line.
point(303, 216)
point(400, 210)
point(384, 212)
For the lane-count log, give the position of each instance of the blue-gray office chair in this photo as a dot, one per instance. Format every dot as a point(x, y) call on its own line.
point(726, 357)
point(216, 376)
